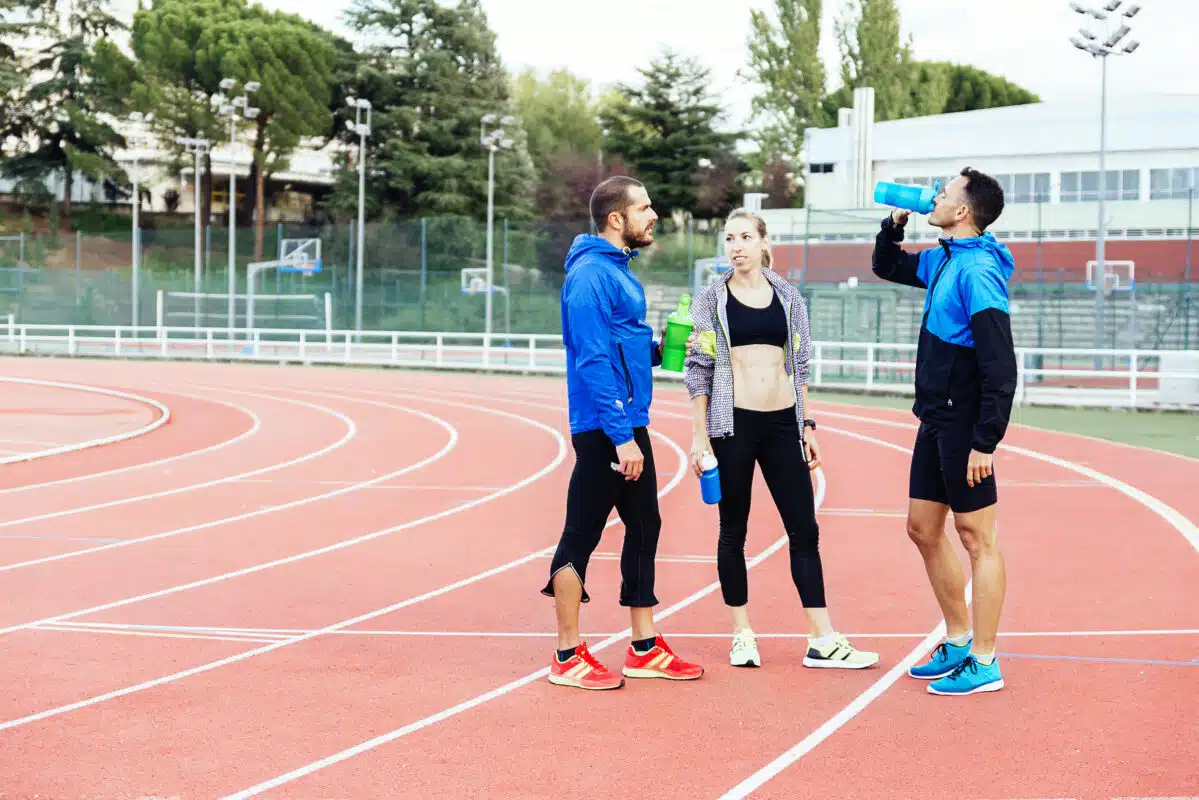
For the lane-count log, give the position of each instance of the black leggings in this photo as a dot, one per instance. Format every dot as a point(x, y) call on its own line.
point(595, 489)
point(770, 438)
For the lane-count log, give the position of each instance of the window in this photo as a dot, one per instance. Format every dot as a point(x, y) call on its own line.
point(1173, 184)
point(1025, 187)
point(1083, 187)
point(819, 168)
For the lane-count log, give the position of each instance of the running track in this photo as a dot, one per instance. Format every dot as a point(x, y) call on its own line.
point(324, 583)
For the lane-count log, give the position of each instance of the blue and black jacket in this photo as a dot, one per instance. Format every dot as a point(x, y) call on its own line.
point(610, 349)
point(965, 360)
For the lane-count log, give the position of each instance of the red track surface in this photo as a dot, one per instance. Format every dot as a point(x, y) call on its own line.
point(390, 511)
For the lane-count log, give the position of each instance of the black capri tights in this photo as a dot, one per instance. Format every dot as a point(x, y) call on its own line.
point(595, 489)
point(771, 439)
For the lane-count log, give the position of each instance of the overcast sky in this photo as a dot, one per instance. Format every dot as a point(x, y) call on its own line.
point(1026, 41)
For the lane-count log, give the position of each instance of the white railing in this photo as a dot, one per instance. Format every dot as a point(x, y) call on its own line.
point(1046, 376)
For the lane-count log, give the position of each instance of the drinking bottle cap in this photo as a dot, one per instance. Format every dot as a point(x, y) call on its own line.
point(707, 462)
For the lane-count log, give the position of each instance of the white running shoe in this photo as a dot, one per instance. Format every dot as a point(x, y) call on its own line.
point(745, 650)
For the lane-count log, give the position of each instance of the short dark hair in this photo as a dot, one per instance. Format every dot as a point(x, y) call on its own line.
point(985, 197)
point(611, 195)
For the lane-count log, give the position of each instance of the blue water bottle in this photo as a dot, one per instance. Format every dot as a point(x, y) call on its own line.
point(709, 481)
point(910, 198)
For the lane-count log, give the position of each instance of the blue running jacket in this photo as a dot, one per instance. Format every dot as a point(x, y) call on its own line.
point(965, 359)
point(610, 349)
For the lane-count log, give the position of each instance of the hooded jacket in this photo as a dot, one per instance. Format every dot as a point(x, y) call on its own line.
point(610, 349)
point(965, 359)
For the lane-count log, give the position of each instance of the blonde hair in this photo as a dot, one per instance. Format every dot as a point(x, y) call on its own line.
point(745, 213)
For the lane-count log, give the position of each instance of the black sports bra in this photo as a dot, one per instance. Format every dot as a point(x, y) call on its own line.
point(749, 325)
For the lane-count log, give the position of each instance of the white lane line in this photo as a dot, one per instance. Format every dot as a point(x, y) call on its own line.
point(405, 487)
point(212, 665)
point(163, 418)
point(256, 424)
point(351, 432)
point(859, 703)
point(270, 634)
point(453, 711)
point(157, 634)
point(449, 445)
point(295, 637)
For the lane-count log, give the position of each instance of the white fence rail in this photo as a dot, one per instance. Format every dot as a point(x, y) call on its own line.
point(1047, 376)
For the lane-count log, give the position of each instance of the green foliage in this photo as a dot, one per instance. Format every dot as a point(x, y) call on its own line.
point(431, 78)
point(59, 118)
point(666, 130)
point(560, 115)
point(785, 61)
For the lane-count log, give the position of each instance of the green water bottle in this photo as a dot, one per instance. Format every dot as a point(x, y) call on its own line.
point(678, 327)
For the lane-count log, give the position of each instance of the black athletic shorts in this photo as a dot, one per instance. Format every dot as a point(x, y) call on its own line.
point(939, 460)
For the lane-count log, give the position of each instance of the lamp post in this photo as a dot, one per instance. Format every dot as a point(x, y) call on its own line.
point(230, 110)
point(198, 147)
point(492, 140)
point(136, 139)
point(363, 130)
point(1101, 44)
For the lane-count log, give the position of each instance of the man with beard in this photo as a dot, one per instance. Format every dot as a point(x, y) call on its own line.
point(610, 353)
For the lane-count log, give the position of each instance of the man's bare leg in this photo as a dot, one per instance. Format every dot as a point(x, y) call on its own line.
point(568, 597)
point(926, 528)
point(642, 623)
point(981, 539)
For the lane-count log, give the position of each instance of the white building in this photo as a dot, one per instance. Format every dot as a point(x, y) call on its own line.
point(1046, 155)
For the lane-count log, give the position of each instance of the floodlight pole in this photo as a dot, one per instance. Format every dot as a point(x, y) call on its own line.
point(363, 130)
point(493, 141)
point(198, 147)
point(230, 110)
point(139, 121)
point(1101, 46)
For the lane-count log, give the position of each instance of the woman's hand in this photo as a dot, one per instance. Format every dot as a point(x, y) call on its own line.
point(700, 446)
point(811, 450)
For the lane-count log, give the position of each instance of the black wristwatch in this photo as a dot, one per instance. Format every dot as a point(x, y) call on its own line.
point(810, 423)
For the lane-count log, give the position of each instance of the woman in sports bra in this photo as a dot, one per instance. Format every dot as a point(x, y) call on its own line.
point(747, 374)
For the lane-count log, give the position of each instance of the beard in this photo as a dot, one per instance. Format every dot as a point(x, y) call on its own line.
point(638, 239)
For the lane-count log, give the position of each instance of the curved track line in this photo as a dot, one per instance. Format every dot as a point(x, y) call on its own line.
point(440, 716)
point(351, 432)
point(875, 690)
point(337, 545)
point(559, 457)
point(255, 426)
point(165, 416)
point(299, 636)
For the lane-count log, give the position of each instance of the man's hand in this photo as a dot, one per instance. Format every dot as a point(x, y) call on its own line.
point(978, 467)
point(900, 216)
point(631, 460)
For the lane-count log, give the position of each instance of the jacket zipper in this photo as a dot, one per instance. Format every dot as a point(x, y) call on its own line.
point(628, 380)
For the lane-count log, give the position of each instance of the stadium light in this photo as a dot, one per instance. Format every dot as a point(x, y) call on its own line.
point(1101, 44)
point(199, 147)
point(230, 110)
point(138, 136)
point(363, 130)
point(493, 140)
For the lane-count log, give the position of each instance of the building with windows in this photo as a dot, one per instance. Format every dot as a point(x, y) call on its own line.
point(1046, 155)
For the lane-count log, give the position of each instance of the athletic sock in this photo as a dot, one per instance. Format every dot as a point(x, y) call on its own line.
point(986, 661)
point(566, 655)
point(823, 641)
point(961, 641)
point(643, 646)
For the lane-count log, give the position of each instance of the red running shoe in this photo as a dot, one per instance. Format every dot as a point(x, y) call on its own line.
point(660, 662)
point(583, 671)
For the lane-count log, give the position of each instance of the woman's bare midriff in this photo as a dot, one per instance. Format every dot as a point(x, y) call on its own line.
point(760, 381)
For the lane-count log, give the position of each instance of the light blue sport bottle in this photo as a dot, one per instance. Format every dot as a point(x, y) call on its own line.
point(709, 481)
point(909, 198)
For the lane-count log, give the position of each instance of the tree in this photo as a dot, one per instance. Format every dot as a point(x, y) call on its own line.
point(666, 128)
point(431, 79)
point(560, 115)
point(785, 63)
point(59, 120)
point(188, 46)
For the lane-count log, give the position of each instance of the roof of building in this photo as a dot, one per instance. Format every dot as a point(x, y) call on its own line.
point(1138, 122)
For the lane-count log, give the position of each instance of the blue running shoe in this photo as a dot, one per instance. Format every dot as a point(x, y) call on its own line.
point(945, 659)
point(969, 677)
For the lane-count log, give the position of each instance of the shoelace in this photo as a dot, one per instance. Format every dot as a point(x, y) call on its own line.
point(969, 664)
